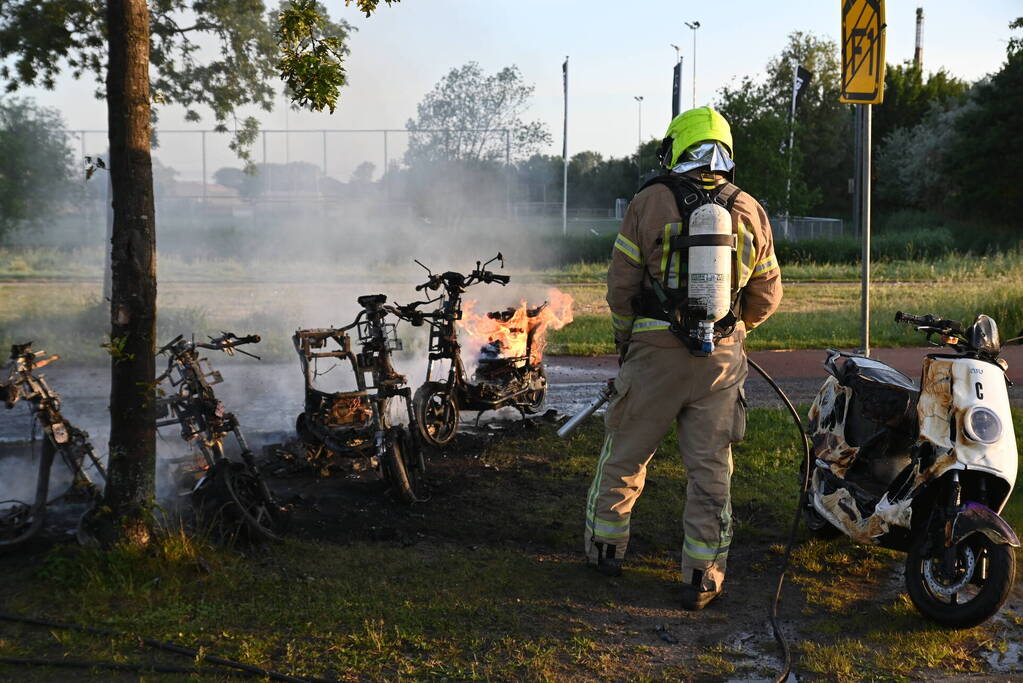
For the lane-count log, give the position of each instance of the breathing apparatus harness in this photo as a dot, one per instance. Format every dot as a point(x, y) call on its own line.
point(687, 316)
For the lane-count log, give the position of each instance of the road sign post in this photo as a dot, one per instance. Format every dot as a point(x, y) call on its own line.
point(863, 68)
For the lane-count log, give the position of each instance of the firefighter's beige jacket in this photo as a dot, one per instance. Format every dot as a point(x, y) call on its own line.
point(642, 246)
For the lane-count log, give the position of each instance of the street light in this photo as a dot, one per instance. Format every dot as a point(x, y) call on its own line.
point(639, 98)
point(695, 25)
point(678, 52)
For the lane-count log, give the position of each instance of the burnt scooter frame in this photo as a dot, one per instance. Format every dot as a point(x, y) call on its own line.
point(22, 520)
point(438, 403)
point(235, 491)
point(356, 423)
point(909, 469)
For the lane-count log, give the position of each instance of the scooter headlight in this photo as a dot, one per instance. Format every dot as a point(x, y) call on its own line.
point(981, 424)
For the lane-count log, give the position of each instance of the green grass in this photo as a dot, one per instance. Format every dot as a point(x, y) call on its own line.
point(498, 610)
point(827, 315)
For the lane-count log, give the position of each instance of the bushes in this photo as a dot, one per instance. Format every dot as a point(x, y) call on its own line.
point(908, 246)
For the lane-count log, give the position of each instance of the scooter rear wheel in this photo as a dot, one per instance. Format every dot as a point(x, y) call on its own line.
point(536, 398)
point(232, 498)
point(962, 599)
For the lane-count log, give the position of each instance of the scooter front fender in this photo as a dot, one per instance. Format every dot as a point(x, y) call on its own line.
point(976, 518)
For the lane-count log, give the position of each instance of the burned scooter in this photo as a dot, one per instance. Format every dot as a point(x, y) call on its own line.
point(500, 380)
point(923, 470)
point(233, 493)
point(20, 521)
point(357, 424)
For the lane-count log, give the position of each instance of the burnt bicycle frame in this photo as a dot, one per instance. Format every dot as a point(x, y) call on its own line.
point(444, 344)
point(61, 437)
point(205, 421)
point(374, 435)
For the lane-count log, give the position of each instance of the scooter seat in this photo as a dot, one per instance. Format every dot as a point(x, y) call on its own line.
point(858, 368)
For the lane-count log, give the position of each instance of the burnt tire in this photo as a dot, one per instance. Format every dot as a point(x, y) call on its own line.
point(400, 465)
point(234, 500)
point(303, 430)
point(436, 413)
point(935, 595)
point(535, 400)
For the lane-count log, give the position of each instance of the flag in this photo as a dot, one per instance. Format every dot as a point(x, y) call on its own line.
point(800, 80)
point(676, 89)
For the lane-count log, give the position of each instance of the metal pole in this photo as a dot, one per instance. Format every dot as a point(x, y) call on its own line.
point(694, 25)
point(204, 166)
point(508, 168)
point(864, 188)
point(792, 141)
point(564, 160)
point(694, 64)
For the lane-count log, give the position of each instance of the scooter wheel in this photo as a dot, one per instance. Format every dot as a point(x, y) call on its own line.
point(401, 466)
point(537, 398)
point(975, 590)
point(437, 413)
point(231, 497)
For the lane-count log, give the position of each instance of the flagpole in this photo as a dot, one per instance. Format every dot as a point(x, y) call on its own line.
point(792, 139)
point(564, 156)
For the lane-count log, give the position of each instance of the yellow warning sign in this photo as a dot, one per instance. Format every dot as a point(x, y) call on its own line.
point(862, 51)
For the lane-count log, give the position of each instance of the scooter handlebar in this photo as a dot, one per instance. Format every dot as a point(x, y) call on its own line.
point(929, 320)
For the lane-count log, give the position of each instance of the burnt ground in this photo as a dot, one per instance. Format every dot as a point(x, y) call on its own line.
point(506, 487)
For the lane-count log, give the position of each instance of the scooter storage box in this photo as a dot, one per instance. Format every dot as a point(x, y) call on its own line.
point(883, 394)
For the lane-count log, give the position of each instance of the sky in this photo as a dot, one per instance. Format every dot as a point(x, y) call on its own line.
point(617, 51)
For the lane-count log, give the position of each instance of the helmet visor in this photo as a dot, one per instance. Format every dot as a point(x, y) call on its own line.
point(707, 153)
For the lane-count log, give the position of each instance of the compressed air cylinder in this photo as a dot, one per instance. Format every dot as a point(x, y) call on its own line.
point(710, 270)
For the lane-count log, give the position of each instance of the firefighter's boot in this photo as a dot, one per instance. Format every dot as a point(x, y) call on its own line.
point(694, 598)
point(607, 563)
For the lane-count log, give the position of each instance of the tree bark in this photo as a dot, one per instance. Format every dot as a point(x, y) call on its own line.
point(125, 515)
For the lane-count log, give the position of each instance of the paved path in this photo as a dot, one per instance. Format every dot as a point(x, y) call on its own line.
point(268, 396)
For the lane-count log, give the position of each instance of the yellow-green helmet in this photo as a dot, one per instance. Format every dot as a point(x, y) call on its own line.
point(695, 125)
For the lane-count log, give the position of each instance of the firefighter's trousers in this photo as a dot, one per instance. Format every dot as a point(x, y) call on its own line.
point(655, 386)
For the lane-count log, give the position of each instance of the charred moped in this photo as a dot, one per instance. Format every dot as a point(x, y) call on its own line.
point(234, 493)
point(499, 380)
point(20, 521)
point(925, 470)
point(357, 424)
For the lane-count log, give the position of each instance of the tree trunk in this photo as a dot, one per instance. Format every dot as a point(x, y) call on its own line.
point(129, 495)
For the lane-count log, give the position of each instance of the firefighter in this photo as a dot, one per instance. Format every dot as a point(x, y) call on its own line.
point(666, 373)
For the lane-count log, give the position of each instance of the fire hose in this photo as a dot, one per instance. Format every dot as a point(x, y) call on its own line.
point(233, 668)
point(605, 395)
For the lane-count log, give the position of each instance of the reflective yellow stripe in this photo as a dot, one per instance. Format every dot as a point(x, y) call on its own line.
point(674, 261)
point(622, 323)
point(745, 254)
point(627, 247)
point(602, 528)
point(649, 325)
point(768, 264)
point(698, 555)
point(665, 250)
point(703, 551)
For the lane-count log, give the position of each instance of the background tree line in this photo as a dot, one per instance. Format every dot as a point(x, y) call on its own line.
point(937, 140)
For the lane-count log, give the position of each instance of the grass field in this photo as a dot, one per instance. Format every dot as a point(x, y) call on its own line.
point(827, 315)
point(57, 302)
point(450, 604)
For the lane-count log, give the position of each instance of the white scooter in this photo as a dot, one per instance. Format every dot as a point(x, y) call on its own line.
point(926, 471)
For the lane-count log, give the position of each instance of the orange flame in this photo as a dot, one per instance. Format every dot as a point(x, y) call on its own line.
point(514, 326)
